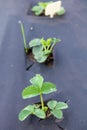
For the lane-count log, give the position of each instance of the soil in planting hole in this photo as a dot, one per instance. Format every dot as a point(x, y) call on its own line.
point(32, 13)
point(49, 62)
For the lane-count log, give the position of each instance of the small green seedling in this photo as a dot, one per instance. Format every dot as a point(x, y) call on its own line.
point(39, 9)
point(24, 38)
point(42, 48)
point(37, 88)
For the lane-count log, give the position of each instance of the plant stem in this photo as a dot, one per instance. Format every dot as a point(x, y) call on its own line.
point(49, 115)
point(42, 102)
point(52, 47)
point(23, 35)
point(48, 47)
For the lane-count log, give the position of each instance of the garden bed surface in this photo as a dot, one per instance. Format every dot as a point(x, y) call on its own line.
point(68, 72)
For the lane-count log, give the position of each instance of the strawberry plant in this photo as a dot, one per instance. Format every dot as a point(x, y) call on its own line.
point(42, 48)
point(37, 88)
point(40, 8)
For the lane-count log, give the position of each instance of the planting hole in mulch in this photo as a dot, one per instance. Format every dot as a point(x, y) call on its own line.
point(30, 57)
point(40, 9)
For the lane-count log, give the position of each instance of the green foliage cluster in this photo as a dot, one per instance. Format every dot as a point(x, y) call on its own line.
point(42, 48)
point(37, 88)
point(40, 8)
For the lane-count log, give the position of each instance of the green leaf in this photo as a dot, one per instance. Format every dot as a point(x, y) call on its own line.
point(61, 105)
point(40, 57)
point(49, 40)
point(24, 113)
point(45, 108)
point(61, 11)
point(37, 49)
point(46, 43)
point(35, 42)
point(37, 105)
point(55, 40)
point(57, 113)
point(52, 104)
point(47, 52)
point(37, 81)
point(44, 4)
point(37, 10)
point(39, 113)
point(48, 87)
point(43, 42)
point(30, 91)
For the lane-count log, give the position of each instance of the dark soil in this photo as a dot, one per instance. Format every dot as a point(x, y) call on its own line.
point(29, 12)
point(30, 56)
point(48, 62)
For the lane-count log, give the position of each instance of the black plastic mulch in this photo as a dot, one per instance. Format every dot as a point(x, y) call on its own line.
point(68, 72)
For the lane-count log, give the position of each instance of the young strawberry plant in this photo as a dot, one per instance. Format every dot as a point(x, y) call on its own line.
point(40, 8)
point(42, 110)
point(39, 49)
point(42, 48)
